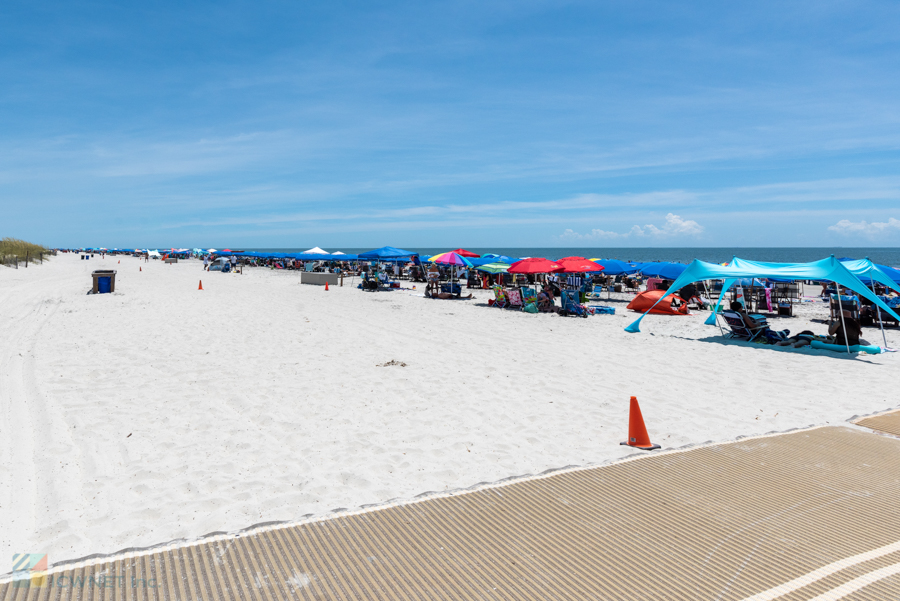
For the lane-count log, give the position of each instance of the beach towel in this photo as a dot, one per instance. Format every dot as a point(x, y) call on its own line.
point(514, 297)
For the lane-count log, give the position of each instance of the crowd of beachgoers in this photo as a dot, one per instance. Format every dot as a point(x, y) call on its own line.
point(577, 286)
point(261, 398)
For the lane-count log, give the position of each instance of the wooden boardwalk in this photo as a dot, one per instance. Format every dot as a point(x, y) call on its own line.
point(806, 515)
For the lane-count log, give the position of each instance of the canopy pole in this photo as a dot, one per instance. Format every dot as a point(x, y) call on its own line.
point(841, 309)
point(877, 308)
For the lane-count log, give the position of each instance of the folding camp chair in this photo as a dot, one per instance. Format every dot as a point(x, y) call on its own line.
point(847, 303)
point(500, 298)
point(529, 295)
point(740, 330)
point(515, 298)
point(595, 293)
point(571, 304)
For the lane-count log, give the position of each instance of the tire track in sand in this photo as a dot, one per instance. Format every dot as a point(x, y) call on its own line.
point(30, 485)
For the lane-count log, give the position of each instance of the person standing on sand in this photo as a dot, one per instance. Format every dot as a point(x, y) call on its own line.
point(233, 261)
point(206, 263)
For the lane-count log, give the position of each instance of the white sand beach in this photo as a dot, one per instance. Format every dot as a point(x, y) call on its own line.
point(162, 412)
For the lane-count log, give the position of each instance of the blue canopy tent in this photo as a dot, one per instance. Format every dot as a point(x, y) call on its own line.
point(387, 252)
point(827, 269)
point(869, 272)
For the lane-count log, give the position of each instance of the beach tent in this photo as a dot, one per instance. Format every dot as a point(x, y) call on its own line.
point(867, 272)
point(387, 252)
point(649, 302)
point(829, 269)
point(315, 251)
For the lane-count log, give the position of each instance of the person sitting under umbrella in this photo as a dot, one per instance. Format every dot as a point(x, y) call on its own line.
point(545, 300)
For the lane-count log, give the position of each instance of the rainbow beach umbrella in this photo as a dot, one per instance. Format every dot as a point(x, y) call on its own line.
point(452, 259)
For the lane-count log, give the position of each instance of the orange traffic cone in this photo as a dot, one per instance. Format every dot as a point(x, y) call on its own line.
point(140, 268)
point(201, 285)
point(120, 261)
point(637, 431)
point(326, 286)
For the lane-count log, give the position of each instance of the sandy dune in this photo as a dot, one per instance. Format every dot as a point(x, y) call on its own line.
point(162, 412)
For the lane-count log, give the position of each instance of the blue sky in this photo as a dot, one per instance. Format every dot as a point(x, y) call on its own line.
point(488, 124)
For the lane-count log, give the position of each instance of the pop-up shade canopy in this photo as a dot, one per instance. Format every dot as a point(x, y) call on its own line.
point(387, 252)
point(827, 269)
point(867, 271)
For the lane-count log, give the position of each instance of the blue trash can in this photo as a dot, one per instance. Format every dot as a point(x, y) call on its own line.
point(104, 281)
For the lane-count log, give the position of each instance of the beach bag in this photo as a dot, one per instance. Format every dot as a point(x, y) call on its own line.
point(530, 308)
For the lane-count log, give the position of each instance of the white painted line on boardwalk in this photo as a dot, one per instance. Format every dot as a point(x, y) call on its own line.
point(857, 583)
point(825, 571)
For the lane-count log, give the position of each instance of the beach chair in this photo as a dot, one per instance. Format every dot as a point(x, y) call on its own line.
point(596, 293)
point(571, 304)
point(632, 284)
point(529, 295)
point(515, 298)
point(740, 330)
point(500, 298)
point(847, 303)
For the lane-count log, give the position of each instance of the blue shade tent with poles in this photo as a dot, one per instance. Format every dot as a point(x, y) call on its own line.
point(387, 252)
point(827, 269)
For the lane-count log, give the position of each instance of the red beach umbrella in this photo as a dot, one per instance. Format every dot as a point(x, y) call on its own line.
point(579, 265)
point(535, 265)
point(465, 253)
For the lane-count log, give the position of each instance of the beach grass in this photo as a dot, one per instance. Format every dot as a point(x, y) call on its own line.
point(13, 251)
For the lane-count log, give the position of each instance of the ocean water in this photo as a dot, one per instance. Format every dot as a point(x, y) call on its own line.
point(882, 256)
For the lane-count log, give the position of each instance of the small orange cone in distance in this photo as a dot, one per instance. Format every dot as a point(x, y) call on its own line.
point(326, 286)
point(637, 431)
point(201, 285)
point(140, 268)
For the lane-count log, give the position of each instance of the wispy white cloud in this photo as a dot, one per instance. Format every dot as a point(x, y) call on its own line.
point(871, 230)
point(674, 227)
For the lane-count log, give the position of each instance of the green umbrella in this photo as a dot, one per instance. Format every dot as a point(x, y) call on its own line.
point(494, 268)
